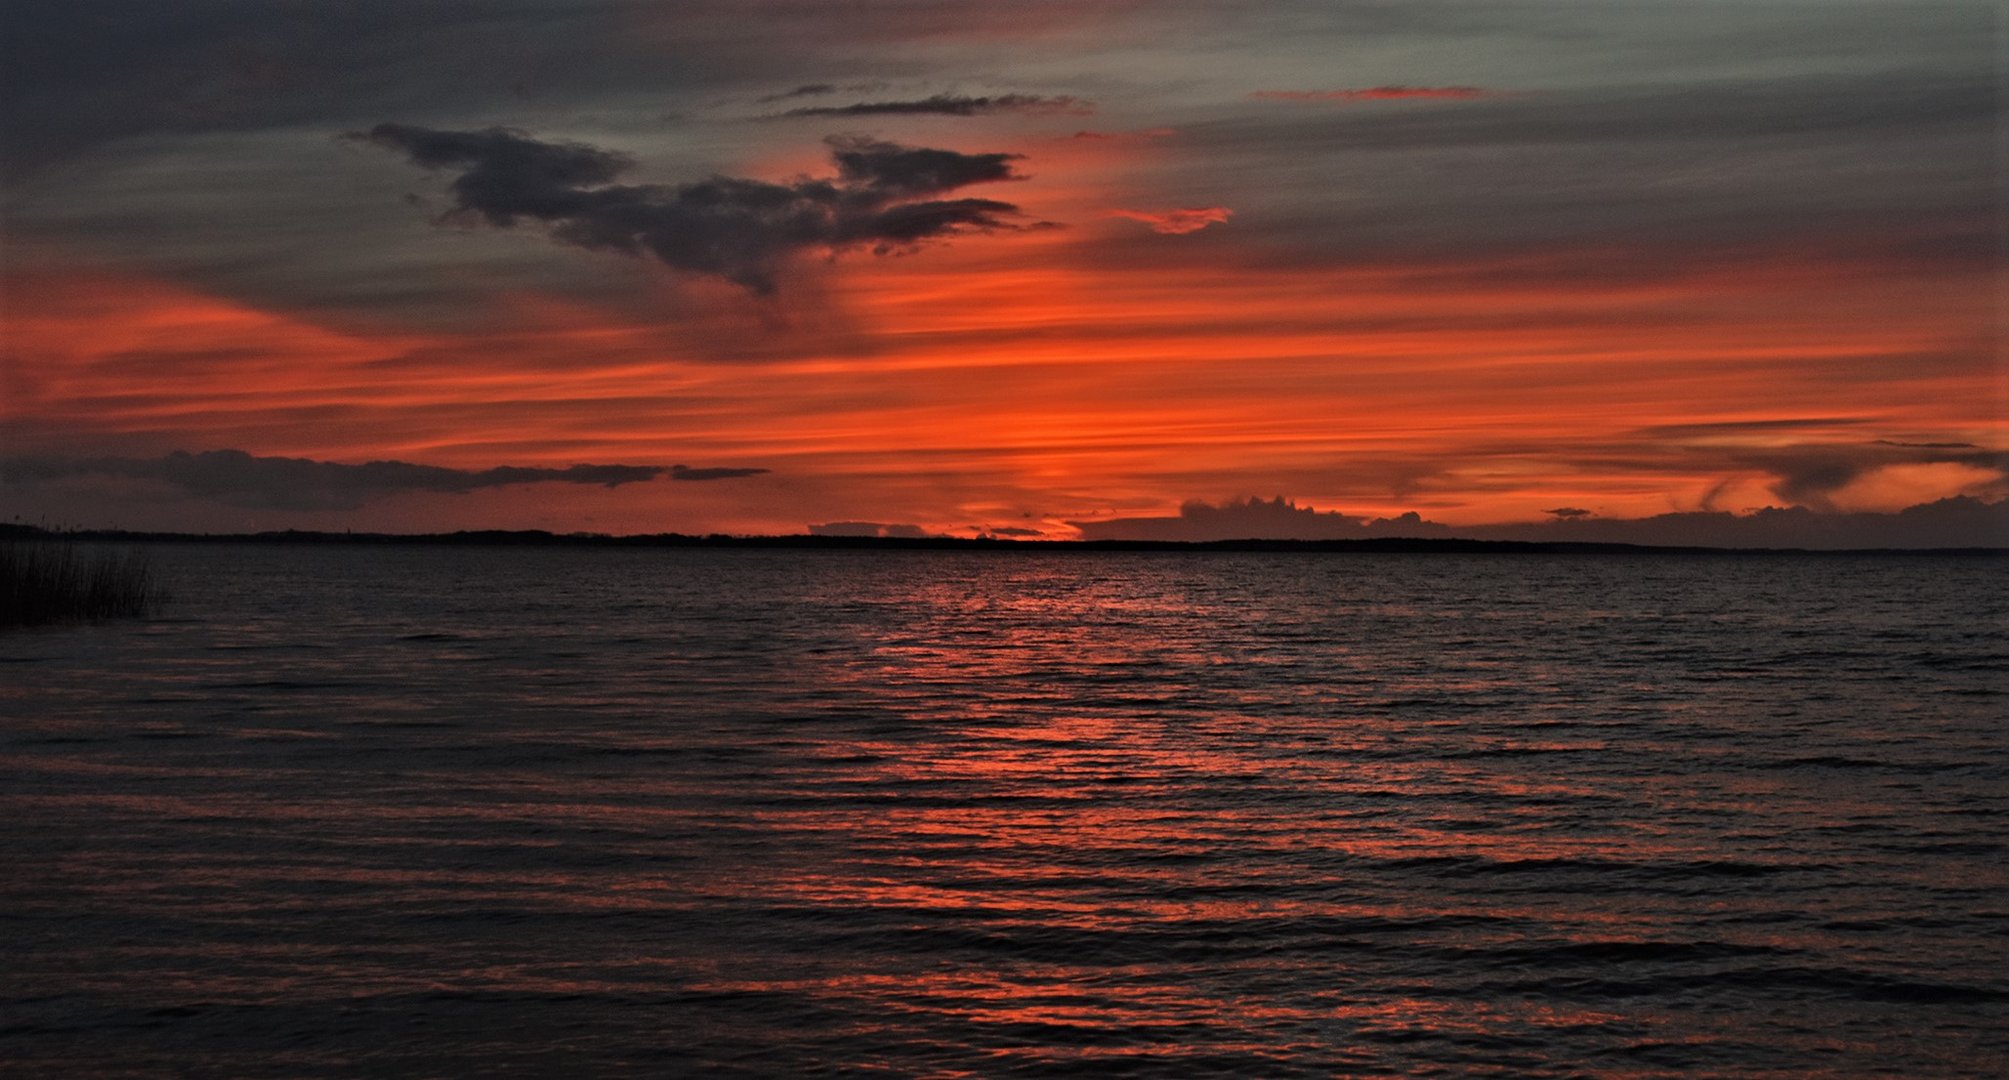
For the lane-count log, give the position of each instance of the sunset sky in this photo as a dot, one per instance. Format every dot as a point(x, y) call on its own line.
point(1042, 268)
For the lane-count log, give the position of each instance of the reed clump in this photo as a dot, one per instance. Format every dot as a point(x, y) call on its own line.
point(46, 581)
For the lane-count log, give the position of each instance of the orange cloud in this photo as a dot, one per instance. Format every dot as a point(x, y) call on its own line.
point(1184, 220)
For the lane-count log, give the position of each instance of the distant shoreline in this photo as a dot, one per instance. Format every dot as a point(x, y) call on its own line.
point(541, 538)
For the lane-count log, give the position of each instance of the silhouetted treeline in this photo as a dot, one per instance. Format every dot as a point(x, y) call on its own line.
point(541, 538)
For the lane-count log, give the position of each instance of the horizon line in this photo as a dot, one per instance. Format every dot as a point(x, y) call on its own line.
point(543, 537)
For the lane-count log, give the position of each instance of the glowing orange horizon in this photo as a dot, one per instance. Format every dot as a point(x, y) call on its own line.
point(1022, 383)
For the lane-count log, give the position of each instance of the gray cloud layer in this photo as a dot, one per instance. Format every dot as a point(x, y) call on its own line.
point(1886, 169)
point(885, 196)
point(235, 478)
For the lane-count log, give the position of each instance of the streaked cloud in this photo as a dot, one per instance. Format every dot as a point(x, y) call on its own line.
point(235, 478)
point(1140, 133)
point(687, 472)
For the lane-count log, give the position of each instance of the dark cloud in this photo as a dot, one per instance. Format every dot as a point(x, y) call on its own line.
point(235, 478)
point(506, 174)
point(884, 197)
point(1568, 513)
point(685, 472)
point(954, 105)
point(1948, 523)
point(891, 171)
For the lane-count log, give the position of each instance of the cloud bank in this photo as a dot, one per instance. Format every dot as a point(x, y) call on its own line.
point(1960, 522)
point(235, 478)
point(868, 529)
point(885, 197)
point(1250, 519)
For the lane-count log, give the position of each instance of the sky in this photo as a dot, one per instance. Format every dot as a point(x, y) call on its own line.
point(1648, 270)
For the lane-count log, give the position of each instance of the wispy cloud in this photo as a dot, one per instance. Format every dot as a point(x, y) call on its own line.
point(805, 90)
point(955, 105)
point(1378, 93)
point(1183, 220)
point(1140, 133)
point(1741, 428)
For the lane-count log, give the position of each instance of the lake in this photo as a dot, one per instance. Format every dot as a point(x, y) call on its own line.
point(410, 810)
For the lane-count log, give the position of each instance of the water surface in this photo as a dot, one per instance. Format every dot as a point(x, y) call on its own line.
point(459, 811)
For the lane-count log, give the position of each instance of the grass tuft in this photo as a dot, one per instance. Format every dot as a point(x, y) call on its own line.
point(46, 581)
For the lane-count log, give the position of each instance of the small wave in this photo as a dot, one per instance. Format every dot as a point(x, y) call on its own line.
point(1768, 982)
point(1485, 752)
point(1821, 761)
point(1467, 865)
point(272, 684)
point(1624, 952)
